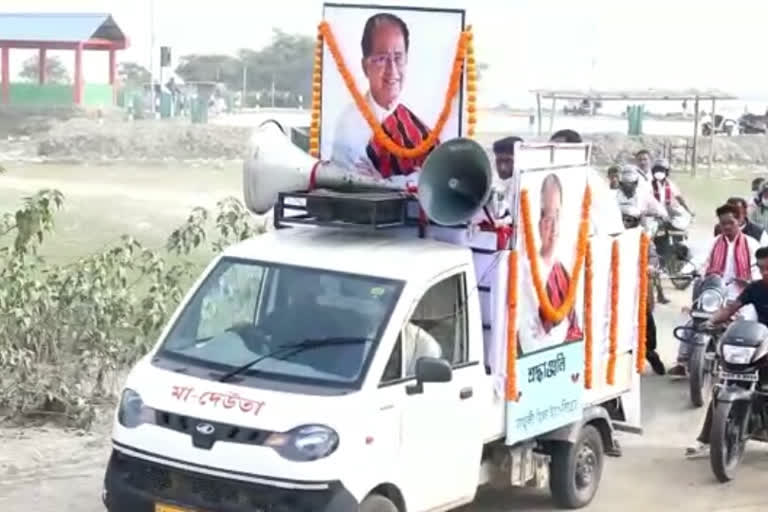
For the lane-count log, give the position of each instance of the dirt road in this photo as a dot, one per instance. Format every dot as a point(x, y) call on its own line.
point(51, 471)
point(54, 471)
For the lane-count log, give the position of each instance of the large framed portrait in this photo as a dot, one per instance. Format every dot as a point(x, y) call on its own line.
point(555, 202)
point(400, 59)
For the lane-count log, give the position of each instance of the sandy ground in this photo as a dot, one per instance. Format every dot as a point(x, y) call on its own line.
point(49, 470)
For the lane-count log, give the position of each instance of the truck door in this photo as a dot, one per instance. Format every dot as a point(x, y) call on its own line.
point(441, 445)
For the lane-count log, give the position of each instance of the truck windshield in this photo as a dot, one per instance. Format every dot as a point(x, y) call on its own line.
point(246, 309)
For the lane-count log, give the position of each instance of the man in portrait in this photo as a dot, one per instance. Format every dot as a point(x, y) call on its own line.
point(557, 280)
point(385, 45)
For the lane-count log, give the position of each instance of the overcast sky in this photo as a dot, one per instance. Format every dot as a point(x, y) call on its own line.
point(527, 43)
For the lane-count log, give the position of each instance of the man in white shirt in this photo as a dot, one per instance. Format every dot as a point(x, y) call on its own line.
point(629, 193)
point(666, 191)
point(731, 256)
point(385, 45)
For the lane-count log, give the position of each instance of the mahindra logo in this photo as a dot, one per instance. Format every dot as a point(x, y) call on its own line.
point(205, 428)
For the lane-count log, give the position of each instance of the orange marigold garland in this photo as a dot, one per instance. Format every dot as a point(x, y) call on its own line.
point(379, 134)
point(548, 311)
point(317, 86)
point(471, 83)
point(642, 307)
point(613, 332)
point(512, 394)
point(588, 317)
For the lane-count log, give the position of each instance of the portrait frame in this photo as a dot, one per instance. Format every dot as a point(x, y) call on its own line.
point(422, 86)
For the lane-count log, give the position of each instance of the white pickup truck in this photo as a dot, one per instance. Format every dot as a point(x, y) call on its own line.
point(331, 369)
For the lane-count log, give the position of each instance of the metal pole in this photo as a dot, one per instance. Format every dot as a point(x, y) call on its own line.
point(152, 56)
point(695, 135)
point(538, 112)
point(245, 86)
point(552, 116)
point(273, 90)
point(712, 138)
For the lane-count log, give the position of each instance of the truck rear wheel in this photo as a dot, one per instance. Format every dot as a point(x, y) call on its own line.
point(576, 468)
point(377, 503)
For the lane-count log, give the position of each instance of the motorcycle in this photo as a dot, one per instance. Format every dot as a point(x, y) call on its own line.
point(739, 399)
point(709, 295)
point(671, 245)
point(723, 124)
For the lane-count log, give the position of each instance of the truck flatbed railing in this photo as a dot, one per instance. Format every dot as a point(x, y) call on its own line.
point(369, 210)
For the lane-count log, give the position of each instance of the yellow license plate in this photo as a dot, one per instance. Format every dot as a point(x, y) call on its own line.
point(169, 508)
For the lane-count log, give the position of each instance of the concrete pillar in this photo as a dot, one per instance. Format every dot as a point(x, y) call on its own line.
point(77, 86)
point(41, 71)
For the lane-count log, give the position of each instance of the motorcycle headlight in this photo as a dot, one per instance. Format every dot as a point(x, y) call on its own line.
point(736, 354)
point(305, 443)
point(132, 412)
point(710, 301)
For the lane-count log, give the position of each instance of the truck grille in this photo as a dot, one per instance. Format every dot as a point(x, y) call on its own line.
point(222, 432)
point(207, 492)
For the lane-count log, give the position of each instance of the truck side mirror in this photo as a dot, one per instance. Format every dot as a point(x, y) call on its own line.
point(430, 369)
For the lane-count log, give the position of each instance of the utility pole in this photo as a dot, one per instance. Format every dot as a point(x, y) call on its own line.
point(273, 90)
point(152, 56)
point(245, 85)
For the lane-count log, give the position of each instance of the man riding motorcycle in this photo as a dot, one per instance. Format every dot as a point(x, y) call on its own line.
point(631, 215)
point(730, 256)
point(665, 191)
point(756, 295)
point(629, 194)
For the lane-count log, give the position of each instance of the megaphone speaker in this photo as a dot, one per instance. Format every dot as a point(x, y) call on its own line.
point(274, 164)
point(455, 182)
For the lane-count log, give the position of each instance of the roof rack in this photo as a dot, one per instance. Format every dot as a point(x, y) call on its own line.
point(370, 210)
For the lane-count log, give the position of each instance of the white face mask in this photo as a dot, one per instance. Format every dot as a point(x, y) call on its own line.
point(659, 176)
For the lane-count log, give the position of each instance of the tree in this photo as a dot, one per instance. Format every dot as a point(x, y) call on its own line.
point(211, 68)
point(133, 74)
point(287, 62)
point(66, 331)
point(55, 72)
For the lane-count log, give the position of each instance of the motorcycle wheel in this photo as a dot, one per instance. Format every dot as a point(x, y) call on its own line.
point(726, 439)
point(700, 377)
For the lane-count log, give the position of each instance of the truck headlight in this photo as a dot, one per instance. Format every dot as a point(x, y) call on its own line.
point(132, 412)
point(736, 354)
point(710, 301)
point(305, 443)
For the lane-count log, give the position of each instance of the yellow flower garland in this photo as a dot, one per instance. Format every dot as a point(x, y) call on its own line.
point(317, 88)
point(613, 327)
point(588, 334)
point(642, 307)
point(464, 55)
point(511, 389)
point(548, 311)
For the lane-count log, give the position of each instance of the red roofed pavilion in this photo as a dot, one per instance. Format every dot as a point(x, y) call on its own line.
point(59, 31)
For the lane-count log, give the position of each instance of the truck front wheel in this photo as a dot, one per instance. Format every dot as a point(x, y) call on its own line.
point(576, 468)
point(377, 503)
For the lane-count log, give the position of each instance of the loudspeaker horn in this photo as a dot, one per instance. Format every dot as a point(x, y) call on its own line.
point(274, 164)
point(455, 182)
